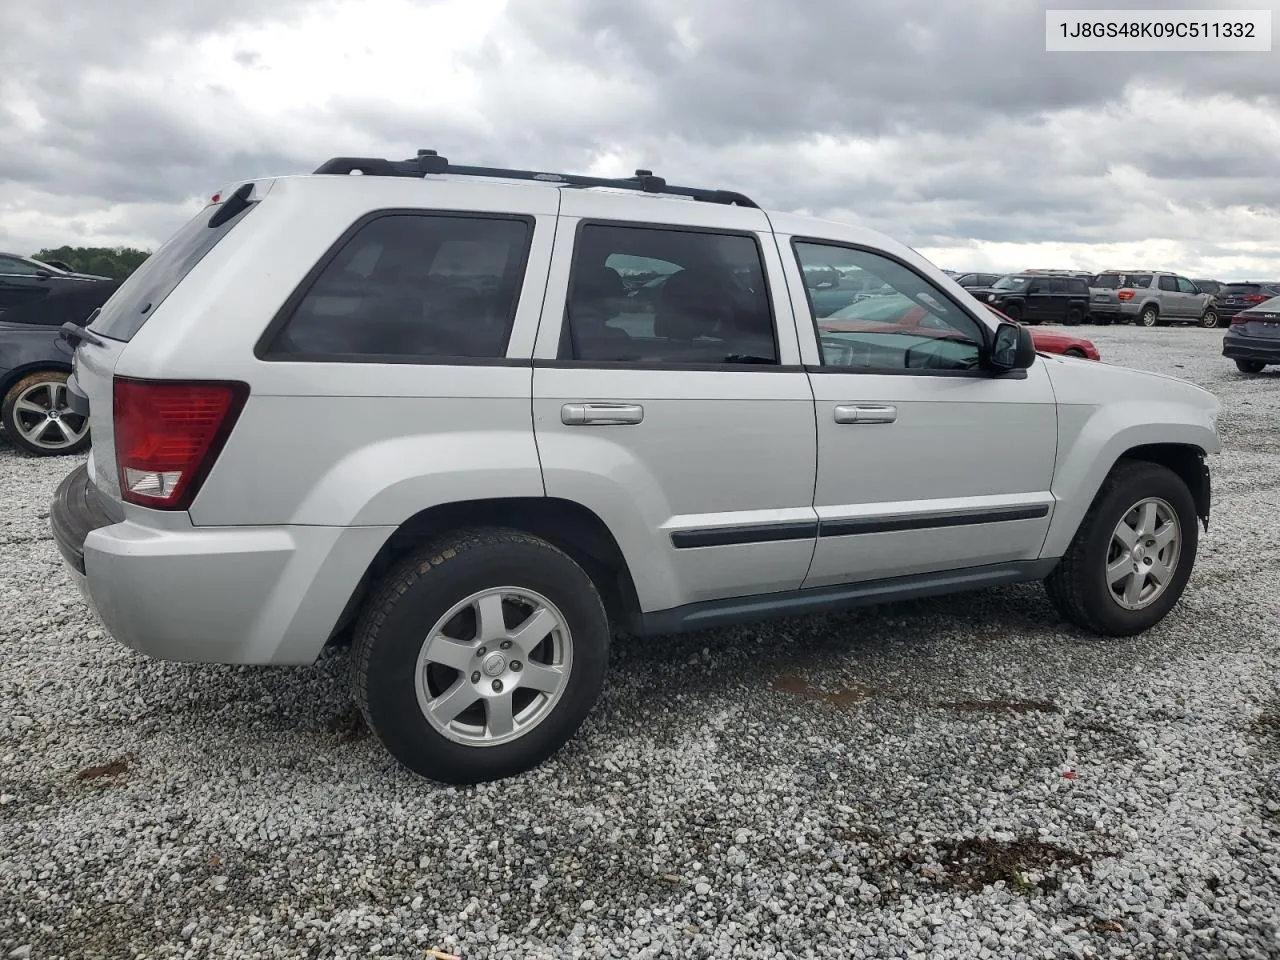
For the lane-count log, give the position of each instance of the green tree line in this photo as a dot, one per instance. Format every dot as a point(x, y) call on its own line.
point(114, 262)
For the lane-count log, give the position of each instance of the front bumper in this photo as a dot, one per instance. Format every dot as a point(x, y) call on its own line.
point(260, 595)
point(1264, 350)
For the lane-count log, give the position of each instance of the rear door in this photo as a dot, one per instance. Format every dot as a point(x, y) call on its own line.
point(683, 418)
point(1173, 305)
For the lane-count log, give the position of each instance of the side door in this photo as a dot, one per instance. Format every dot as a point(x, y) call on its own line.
point(1173, 305)
point(1038, 299)
point(1195, 301)
point(1056, 303)
point(682, 418)
point(20, 283)
point(926, 463)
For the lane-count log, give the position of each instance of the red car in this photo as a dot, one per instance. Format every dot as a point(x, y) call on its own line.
point(895, 313)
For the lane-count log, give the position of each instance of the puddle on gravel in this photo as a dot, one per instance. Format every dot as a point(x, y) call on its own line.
point(843, 699)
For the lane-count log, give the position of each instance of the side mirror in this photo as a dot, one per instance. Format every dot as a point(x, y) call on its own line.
point(1012, 349)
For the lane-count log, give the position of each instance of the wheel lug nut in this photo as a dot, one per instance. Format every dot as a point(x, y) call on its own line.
point(516, 665)
point(475, 677)
point(506, 644)
point(482, 651)
point(497, 686)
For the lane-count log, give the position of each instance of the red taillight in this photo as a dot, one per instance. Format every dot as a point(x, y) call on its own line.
point(1240, 318)
point(1256, 298)
point(1125, 295)
point(168, 434)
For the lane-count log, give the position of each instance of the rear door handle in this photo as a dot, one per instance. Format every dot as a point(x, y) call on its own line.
point(577, 414)
point(866, 413)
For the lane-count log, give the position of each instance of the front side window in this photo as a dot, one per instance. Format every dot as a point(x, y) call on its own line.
point(661, 295)
point(908, 324)
point(413, 286)
point(1186, 286)
point(12, 266)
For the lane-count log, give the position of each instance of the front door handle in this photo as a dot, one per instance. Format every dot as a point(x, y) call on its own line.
point(866, 413)
point(576, 414)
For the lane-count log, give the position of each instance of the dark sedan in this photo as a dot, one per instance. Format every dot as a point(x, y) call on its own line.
point(24, 281)
point(34, 365)
point(1253, 339)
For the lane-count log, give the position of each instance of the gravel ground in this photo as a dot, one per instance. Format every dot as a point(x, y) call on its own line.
point(958, 778)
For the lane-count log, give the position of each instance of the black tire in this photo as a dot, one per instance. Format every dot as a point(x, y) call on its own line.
point(1013, 312)
point(1250, 366)
point(1075, 317)
point(1074, 352)
point(13, 429)
point(1210, 320)
point(1078, 586)
point(423, 588)
point(1150, 317)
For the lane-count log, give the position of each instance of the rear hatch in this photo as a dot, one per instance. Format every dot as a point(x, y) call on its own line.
point(134, 304)
point(1234, 297)
point(1260, 321)
point(1104, 292)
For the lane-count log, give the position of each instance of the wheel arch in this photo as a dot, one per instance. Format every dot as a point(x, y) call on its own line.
point(1186, 460)
point(10, 377)
point(565, 524)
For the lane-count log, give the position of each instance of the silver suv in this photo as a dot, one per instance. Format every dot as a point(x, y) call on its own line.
point(477, 420)
point(1150, 299)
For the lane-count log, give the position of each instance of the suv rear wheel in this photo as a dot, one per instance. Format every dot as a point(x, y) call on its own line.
point(1130, 560)
point(37, 418)
point(480, 655)
point(1150, 317)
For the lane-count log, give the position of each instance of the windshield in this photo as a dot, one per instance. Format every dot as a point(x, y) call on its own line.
point(1011, 283)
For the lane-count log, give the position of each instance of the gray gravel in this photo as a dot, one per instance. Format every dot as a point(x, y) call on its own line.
point(959, 778)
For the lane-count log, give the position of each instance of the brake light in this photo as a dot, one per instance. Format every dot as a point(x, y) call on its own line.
point(168, 434)
point(1256, 298)
point(1125, 295)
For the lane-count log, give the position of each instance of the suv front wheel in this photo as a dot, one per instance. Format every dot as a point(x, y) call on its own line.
point(480, 655)
point(1132, 556)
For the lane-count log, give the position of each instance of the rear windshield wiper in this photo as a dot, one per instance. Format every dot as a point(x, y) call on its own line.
point(73, 333)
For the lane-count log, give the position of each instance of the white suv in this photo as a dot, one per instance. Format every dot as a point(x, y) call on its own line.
point(476, 420)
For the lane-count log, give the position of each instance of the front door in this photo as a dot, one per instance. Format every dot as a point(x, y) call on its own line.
point(669, 400)
point(925, 463)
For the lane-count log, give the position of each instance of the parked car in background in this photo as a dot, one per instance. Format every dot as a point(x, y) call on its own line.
point(820, 275)
point(24, 280)
point(1039, 299)
point(977, 280)
point(1055, 341)
point(1253, 339)
point(1150, 299)
point(35, 361)
point(1235, 298)
point(1210, 287)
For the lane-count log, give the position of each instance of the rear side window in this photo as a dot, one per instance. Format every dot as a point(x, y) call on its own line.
point(159, 275)
point(1168, 284)
point(1077, 286)
point(405, 287)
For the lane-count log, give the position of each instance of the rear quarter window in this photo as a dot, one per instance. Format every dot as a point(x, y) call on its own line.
point(408, 286)
point(159, 275)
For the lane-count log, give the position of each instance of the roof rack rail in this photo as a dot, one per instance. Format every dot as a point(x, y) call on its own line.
point(429, 162)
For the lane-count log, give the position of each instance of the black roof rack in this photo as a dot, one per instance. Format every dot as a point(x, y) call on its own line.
point(428, 161)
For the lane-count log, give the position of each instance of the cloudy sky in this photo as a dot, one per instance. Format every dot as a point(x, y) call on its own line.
point(942, 122)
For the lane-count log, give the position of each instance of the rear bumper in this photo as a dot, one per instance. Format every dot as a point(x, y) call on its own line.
point(250, 595)
point(1251, 348)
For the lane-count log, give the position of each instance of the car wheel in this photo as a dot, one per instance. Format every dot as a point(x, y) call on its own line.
point(1150, 317)
point(1210, 319)
point(38, 420)
point(1250, 366)
point(480, 655)
point(1074, 317)
point(1130, 560)
point(1013, 312)
point(1074, 352)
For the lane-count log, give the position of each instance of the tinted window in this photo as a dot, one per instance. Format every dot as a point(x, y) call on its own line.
point(413, 286)
point(1137, 281)
point(1240, 289)
point(14, 266)
point(1057, 286)
point(1168, 284)
point(1015, 284)
point(1077, 286)
point(698, 298)
point(913, 326)
point(146, 288)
